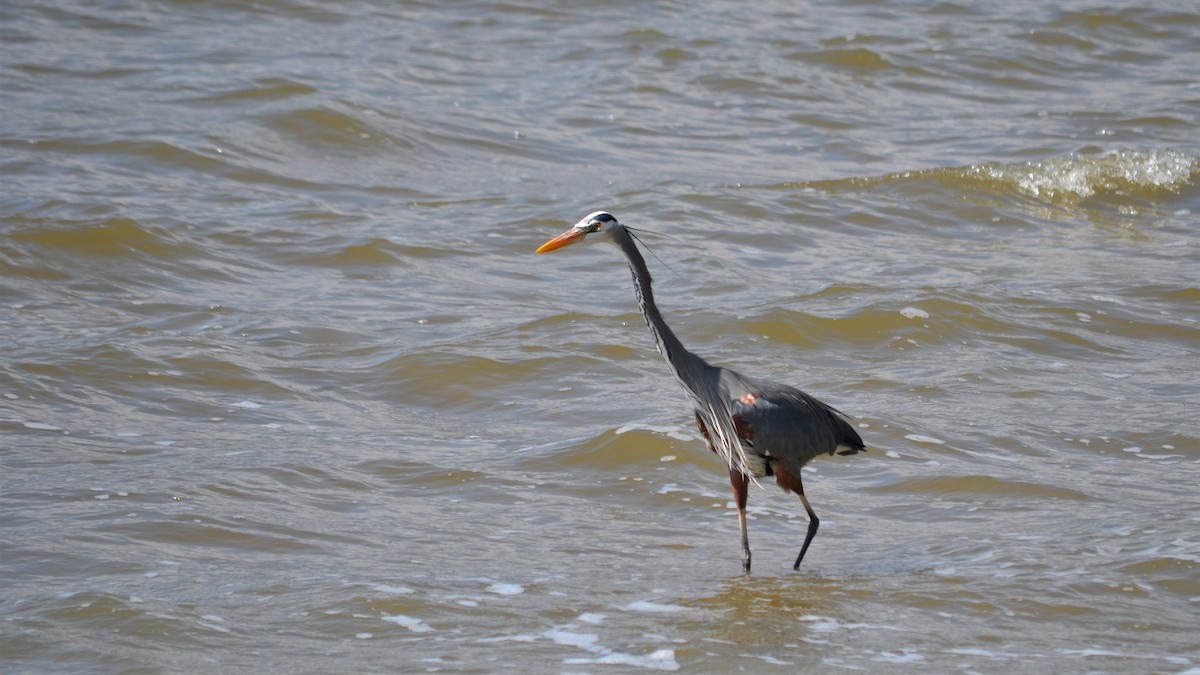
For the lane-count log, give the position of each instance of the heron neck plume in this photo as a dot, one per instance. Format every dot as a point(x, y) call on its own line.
point(698, 378)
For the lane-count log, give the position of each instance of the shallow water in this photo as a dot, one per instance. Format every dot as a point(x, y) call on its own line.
point(284, 387)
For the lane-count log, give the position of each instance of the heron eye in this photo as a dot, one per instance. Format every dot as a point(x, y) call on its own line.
point(594, 227)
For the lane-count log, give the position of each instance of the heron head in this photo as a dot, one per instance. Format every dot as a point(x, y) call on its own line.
point(600, 222)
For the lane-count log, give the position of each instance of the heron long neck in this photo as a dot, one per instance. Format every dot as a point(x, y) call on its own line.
point(699, 379)
point(678, 357)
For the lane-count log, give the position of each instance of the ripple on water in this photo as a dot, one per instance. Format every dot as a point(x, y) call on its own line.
point(1070, 180)
point(104, 239)
point(262, 89)
point(342, 132)
point(982, 486)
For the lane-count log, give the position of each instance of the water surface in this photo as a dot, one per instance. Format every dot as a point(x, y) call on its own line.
point(283, 386)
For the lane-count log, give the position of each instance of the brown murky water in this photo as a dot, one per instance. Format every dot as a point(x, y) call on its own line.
point(283, 386)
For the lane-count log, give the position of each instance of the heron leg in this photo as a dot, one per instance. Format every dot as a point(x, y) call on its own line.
point(741, 489)
point(813, 524)
point(790, 481)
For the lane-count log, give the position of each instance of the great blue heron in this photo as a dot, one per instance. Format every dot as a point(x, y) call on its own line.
point(760, 428)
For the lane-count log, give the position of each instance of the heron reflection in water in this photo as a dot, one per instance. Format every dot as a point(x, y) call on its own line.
point(760, 428)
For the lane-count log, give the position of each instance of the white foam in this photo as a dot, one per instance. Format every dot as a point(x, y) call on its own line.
point(987, 455)
point(412, 623)
point(918, 438)
point(397, 590)
point(662, 659)
point(211, 622)
point(647, 606)
point(41, 426)
point(825, 624)
point(678, 433)
point(248, 405)
point(914, 313)
point(1082, 176)
point(522, 637)
point(506, 589)
point(1090, 652)
point(904, 656)
point(565, 637)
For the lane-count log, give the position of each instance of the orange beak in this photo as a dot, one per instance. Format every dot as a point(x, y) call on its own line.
point(565, 239)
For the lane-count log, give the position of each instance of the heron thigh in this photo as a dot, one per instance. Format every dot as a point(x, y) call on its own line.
point(704, 432)
point(786, 478)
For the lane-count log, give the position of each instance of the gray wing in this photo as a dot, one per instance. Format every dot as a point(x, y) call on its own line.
point(784, 423)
